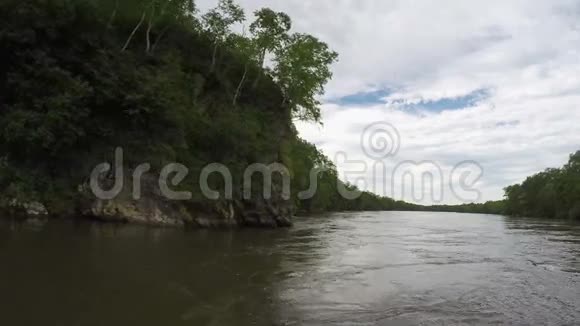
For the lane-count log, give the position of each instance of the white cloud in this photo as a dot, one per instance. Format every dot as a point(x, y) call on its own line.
point(526, 52)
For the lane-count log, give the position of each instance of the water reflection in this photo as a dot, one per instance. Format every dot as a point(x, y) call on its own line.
point(88, 274)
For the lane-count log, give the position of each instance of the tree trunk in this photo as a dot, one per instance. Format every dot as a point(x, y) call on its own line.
point(213, 58)
point(133, 32)
point(262, 59)
point(148, 33)
point(257, 81)
point(158, 38)
point(238, 91)
point(113, 15)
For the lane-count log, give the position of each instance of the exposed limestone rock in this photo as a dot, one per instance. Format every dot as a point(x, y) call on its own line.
point(143, 211)
point(154, 209)
point(30, 209)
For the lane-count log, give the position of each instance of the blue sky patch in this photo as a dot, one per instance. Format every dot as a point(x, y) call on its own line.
point(454, 103)
point(378, 97)
point(363, 98)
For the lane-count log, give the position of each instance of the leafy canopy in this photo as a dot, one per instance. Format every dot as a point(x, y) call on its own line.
point(303, 68)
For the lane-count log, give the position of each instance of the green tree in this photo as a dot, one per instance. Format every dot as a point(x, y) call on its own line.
point(302, 70)
point(246, 50)
point(270, 31)
point(143, 7)
point(165, 13)
point(218, 22)
point(553, 193)
point(68, 97)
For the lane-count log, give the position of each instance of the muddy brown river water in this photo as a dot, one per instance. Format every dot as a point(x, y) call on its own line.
point(389, 268)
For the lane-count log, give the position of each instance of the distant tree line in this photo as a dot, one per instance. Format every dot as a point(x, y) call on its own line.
point(554, 193)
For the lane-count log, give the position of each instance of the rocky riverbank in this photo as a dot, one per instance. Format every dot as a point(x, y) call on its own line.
point(155, 210)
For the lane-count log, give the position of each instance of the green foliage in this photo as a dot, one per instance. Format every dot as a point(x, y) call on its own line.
point(246, 50)
point(69, 96)
point(218, 23)
point(306, 158)
point(554, 193)
point(303, 68)
point(270, 31)
point(81, 77)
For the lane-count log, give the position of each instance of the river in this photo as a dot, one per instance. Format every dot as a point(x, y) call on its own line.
point(390, 268)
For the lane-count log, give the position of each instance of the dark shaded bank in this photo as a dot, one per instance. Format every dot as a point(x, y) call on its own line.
point(73, 88)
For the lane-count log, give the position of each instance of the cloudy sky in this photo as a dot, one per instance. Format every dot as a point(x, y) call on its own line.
point(491, 86)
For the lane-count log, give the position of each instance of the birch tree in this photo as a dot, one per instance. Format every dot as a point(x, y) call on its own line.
point(218, 22)
point(270, 31)
point(246, 49)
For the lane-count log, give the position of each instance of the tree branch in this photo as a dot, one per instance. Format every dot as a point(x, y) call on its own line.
point(133, 32)
point(238, 91)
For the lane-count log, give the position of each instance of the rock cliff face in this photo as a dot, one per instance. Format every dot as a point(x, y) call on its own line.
point(154, 209)
point(157, 212)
